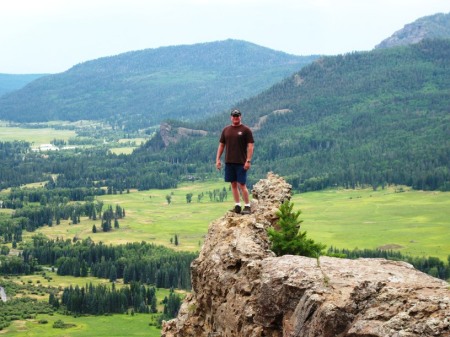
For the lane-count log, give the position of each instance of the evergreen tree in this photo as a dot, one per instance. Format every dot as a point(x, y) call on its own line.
point(153, 305)
point(113, 274)
point(289, 239)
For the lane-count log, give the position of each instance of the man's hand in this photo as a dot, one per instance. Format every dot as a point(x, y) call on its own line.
point(219, 154)
point(246, 165)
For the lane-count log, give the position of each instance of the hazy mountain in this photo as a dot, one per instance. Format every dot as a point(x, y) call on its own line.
point(429, 27)
point(141, 88)
point(12, 82)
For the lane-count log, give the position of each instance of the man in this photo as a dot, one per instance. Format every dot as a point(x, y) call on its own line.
point(237, 141)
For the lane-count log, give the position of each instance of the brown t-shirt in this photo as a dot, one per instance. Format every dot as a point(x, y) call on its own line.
point(236, 139)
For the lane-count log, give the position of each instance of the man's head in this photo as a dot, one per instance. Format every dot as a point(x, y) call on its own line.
point(235, 117)
point(235, 113)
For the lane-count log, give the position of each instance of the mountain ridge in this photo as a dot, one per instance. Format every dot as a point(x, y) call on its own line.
point(12, 82)
point(435, 26)
point(139, 89)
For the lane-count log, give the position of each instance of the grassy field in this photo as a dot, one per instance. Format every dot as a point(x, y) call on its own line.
point(98, 326)
point(122, 150)
point(34, 136)
point(415, 222)
point(149, 217)
point(45, 135)
point(128, 145)
point(124, 325)
point(51, 279)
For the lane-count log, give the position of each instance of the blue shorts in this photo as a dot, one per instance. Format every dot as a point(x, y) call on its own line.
point(235, 172)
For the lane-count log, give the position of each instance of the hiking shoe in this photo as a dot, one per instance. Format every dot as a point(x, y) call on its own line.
point(236, 209)
point(246, 210)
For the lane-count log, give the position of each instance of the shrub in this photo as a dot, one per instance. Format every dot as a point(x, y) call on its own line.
point(59, 324)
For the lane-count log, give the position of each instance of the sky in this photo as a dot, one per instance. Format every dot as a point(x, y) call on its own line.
point(51, 36)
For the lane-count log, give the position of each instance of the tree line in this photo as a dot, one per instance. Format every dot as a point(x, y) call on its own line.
point(132, 262)
point(15, 265)
point(11, 229)
point(37, 207)
point(431, 265)
point(86, 300)
point(101, 299)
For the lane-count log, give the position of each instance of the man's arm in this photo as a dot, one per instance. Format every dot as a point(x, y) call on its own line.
point(250, 148)
point(219, 154)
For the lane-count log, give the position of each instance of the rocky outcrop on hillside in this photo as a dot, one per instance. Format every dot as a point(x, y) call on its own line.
point(170, 134)
point(429, 27)
point(241, 289)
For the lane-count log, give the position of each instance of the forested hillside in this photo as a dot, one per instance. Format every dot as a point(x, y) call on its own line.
point(139, 89)
point(362, 118)
point(373, 117)
point(378, 117)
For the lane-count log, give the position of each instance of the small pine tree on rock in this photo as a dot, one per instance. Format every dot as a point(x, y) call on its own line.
point(289, 239)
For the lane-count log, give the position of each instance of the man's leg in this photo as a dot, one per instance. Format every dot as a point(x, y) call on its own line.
point(245, 196)
point(235, 190)
point(244, 193)
point(236, 197)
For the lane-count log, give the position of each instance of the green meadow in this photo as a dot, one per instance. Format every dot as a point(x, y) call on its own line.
point(34, 136)
point(84, 326)
point(107, 325)
point(45, 135)
point(413, 222)
point(127, 145)
point(53, 280)
point(149, 217)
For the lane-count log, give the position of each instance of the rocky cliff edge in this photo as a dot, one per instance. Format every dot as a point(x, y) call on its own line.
point(241, 289)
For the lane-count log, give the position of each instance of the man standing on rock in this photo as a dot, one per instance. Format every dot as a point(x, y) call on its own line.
point(237, 141)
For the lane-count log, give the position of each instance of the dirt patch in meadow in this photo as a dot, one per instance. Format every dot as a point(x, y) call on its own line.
point(20, 325)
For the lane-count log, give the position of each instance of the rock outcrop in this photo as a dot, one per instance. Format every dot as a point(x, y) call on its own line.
point(435, 26)
point(241, 289)
point(171, 135)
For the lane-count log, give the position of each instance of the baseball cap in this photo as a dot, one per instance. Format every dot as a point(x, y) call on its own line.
point(235, 112)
